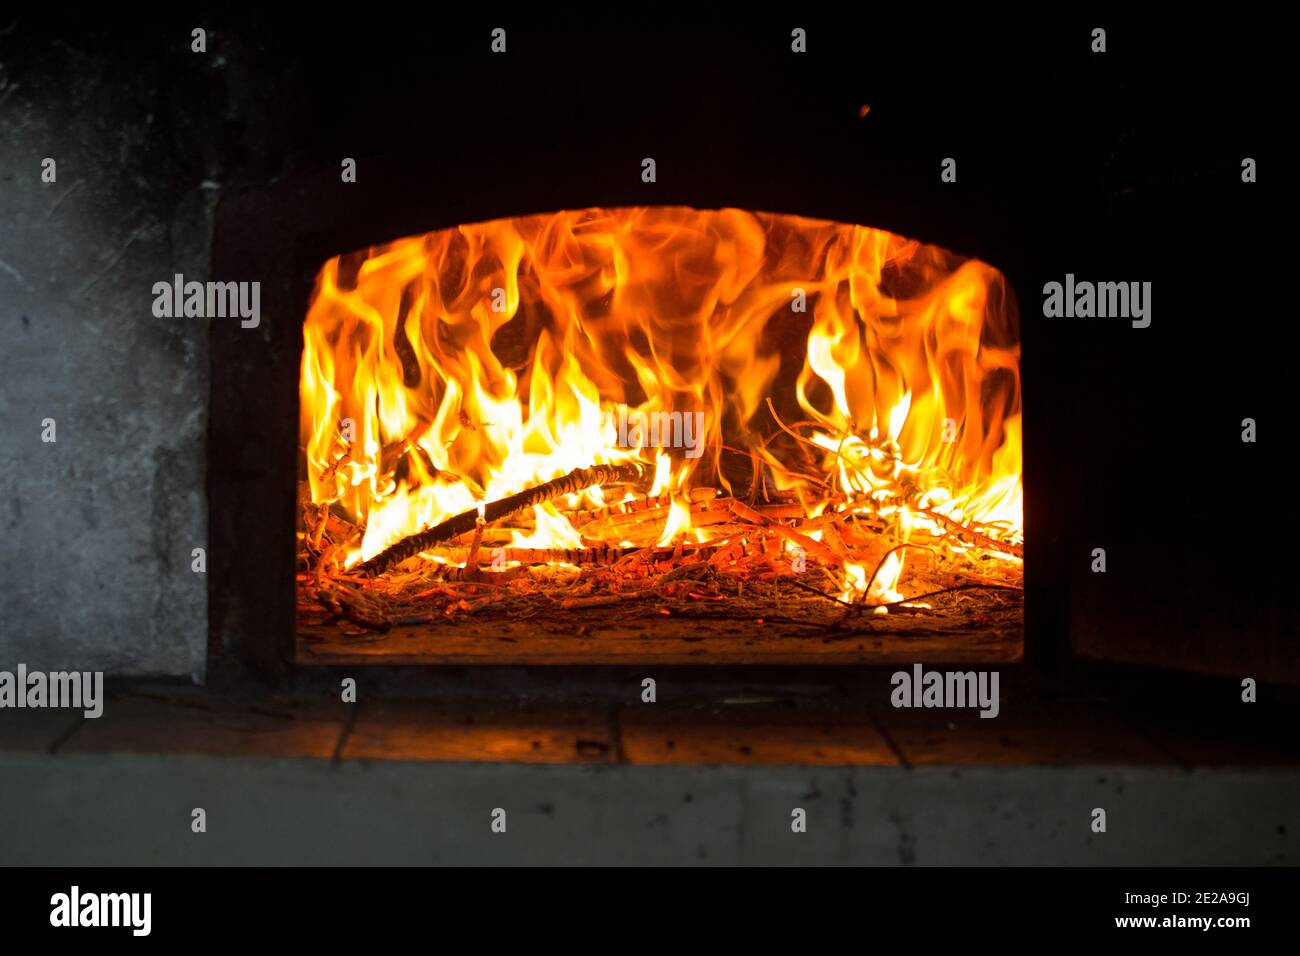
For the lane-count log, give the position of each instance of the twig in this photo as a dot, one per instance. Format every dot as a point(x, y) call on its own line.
point(597, 600)
point(829, 597)
point(983, 540)
point(471, 562)
point(930, 594)
point(881, 563)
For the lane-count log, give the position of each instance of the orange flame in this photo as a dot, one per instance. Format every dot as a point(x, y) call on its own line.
point(470, 363)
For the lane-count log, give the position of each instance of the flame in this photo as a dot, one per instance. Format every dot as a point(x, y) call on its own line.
point(459, 367)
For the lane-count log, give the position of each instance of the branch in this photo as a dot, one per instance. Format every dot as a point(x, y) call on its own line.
point(572, 483)
point(987, 542)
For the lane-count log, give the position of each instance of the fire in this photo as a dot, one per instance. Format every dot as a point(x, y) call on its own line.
point(833, 364)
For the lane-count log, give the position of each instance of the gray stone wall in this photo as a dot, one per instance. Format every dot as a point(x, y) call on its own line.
point(96, 528)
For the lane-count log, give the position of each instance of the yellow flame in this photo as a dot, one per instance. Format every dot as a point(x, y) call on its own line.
point(465, 365)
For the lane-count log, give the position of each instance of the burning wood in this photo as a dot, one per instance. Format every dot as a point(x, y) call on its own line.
point(882, 451)
point(574, 481)
point(766, 545)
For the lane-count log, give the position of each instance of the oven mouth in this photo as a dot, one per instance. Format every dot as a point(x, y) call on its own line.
point(659, 433)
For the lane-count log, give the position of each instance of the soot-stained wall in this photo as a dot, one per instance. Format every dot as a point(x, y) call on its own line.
point(97, 526)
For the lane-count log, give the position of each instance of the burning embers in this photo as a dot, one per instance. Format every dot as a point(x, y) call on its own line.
point(664, 404)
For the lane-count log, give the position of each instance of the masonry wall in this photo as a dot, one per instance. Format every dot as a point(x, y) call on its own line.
point(97, 526)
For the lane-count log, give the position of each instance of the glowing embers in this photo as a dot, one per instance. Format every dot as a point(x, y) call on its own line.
point(853, 398)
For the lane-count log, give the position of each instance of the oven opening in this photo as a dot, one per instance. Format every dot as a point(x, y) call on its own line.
point(659, 434)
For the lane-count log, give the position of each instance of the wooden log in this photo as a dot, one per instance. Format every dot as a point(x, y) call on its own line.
point(575, 481)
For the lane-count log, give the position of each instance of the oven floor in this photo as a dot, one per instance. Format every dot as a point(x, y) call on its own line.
point(811, 631)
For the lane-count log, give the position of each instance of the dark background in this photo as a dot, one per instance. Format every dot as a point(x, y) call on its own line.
point(1122, 166)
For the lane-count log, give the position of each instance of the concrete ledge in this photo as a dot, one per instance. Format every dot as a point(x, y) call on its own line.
point(127, 809)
